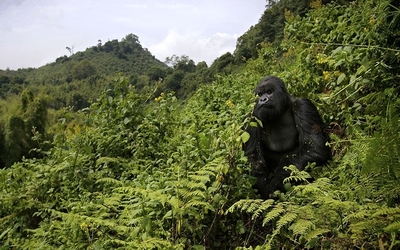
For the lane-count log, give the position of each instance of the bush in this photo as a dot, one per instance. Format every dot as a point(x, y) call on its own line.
point(83, 70)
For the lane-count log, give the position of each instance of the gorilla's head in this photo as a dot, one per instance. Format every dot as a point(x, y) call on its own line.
point(273, 99)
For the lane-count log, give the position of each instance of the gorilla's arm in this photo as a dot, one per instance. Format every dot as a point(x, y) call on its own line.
point(312, 137)
point(256, 157)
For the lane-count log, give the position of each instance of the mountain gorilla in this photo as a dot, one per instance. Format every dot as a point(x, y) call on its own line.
point(289, 131)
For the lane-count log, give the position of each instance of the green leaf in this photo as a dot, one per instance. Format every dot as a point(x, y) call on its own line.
point(87, 149)
point(245, 137)
point(127, 120)
point(341, 78)
point(253, 124)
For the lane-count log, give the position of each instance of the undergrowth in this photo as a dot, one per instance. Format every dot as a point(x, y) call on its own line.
point(138, 173)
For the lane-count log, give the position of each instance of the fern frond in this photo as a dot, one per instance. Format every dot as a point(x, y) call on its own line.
point(296, 175)
point(273, 214)
point(174, 202)
point(244, 205)
point(286, 219)
point(282, 221)
point(359, 228)
point(302, 226)
point(196, 185)
point(384, 211)
point(110, 181)
point(359, 214)
point(126, 190)
point(105, 160)
point(200, 178)
point(319, 187)
point(262, 208)
point(195, 203)
point(159, 197)
point(393, 227)
point(194, 193)
point(313, 234)
point(116, 242)
point(238, 205)
point(153, 243)
point(205, 171)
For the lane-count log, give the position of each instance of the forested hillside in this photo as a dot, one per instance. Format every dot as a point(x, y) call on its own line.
point(76, 79)
point(142, 169)
point(38, 97)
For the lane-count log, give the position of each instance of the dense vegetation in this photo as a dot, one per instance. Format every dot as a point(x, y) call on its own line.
point(138, 171)
point(76, 81)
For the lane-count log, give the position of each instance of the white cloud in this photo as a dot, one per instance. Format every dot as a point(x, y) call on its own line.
point(195, 45)
point(33, 32)
point(136, 5)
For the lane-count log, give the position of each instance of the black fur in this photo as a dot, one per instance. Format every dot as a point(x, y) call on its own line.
point(291, 133)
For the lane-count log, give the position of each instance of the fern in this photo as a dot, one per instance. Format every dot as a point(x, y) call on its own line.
point(194, 193)
point(302, 226)
point(393, 227)
point(250, 206)
point(200, 177)
point(296, 175)
point(320, 187)
point(387, 211)
point(315, 233)
point(202, 204)
point(111, 181)
point(285, 220)
point(155, 243)
point(359, 214)
point(105, 160)
point(264, 206)
point(273, 214)
point(236, 205)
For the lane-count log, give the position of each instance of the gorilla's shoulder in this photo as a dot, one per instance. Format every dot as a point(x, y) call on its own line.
point(302, 102)
point(304, 109)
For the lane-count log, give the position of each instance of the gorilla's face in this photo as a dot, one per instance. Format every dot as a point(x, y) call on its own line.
point(273, 99)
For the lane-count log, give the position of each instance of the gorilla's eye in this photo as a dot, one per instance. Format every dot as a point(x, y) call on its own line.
point(269, 91)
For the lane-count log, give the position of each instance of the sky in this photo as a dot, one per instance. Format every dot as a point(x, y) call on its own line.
point(36, 32)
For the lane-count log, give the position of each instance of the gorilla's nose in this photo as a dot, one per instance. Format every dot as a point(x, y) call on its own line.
point(263, 100)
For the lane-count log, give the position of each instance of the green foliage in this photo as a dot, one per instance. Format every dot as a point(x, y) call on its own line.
point(329, 214)
point(270, 28)
point(385, 167)
point(23, 130)
point(15, 140)
point(124, 179)
point(79, 79)
point(338, 57)
point(139, 169)
point(83, 70)
point(347, 65)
